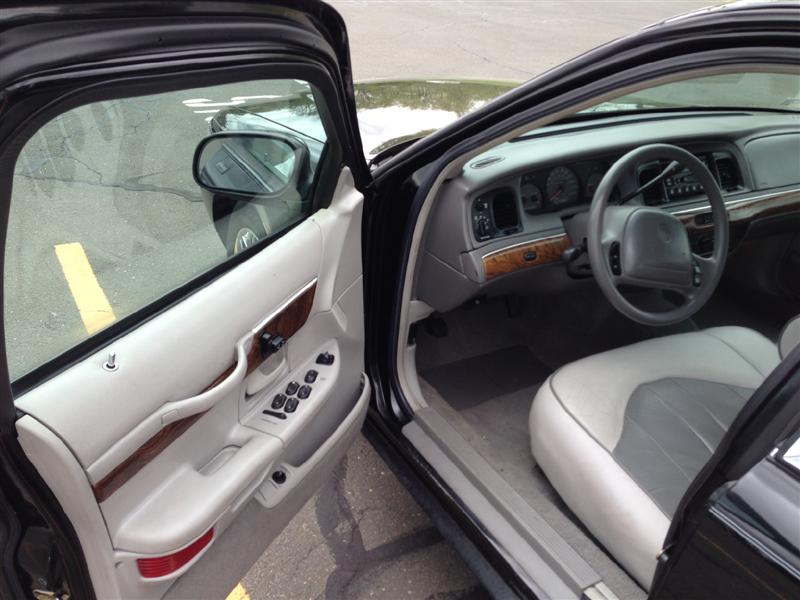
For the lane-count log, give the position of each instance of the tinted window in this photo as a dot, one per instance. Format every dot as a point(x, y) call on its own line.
point(106, 215)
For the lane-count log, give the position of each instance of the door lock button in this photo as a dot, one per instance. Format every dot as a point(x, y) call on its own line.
point(326, 358)
point(311, 376)
point(270, 344)
point(304, 392)
point(292, 388)
point(291, 405)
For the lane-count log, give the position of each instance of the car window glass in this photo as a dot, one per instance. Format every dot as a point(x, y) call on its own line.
point(768, 91)
point(106, 215)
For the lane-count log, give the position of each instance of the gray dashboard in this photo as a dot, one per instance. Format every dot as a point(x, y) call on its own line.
point(527, 189)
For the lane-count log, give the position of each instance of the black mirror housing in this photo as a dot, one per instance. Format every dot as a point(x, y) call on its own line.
point(249, 163)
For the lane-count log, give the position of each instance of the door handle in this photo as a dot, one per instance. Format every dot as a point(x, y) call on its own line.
point(179, 409)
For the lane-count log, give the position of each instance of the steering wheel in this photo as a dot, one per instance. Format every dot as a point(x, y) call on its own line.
point(649, 247)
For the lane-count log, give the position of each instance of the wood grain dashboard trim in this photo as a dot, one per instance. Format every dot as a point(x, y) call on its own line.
point(747, 209)
point(285, 322)
point(533, 253)
point(548, 250)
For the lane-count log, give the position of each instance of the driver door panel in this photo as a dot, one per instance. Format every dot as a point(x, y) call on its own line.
point(171, 463)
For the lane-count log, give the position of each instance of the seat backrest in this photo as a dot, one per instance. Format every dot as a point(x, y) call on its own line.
point(790, 337)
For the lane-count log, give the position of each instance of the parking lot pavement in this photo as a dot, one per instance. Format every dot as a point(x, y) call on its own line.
point(361, 536)
point(505, 39)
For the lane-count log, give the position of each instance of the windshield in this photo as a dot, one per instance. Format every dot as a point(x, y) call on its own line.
point(762, 91)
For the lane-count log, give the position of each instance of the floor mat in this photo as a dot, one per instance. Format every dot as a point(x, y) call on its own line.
point(473, 381)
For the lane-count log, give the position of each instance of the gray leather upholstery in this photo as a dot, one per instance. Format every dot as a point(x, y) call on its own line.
point(790, 337)
point(621, 434)
point(671, 429)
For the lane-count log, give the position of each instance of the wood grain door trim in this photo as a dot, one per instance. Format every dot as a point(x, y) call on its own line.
point(286, 322)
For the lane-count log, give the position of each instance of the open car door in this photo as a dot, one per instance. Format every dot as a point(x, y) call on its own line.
point(182, 277)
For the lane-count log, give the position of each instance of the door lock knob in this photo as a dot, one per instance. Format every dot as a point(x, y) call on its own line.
point(270, 344)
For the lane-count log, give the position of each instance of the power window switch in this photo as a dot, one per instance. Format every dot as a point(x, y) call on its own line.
point(292, 388)
point(311, 376)
point(304, 392)
point(278, 401)
point(291, 405)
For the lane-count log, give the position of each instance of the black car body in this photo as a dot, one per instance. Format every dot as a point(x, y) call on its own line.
point(133, 454)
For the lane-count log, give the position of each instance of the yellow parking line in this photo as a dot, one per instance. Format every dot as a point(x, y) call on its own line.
point(96, 312)
point(238, 593)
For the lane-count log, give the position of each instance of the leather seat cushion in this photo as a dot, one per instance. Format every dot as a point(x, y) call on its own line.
point(621, 434)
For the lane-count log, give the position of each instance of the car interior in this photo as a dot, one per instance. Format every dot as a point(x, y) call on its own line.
point(591, 302)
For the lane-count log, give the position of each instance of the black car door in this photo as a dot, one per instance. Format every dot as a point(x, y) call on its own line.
point(737, 530)
point(184, 316)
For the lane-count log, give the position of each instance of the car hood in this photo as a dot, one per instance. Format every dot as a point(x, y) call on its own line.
point(389, 111)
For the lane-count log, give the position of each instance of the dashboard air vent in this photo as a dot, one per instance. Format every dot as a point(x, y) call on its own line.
point(504, 210)
point(728, 172)
point(485, 162)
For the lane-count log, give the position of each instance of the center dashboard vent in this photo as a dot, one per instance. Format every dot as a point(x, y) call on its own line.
point(728, 172)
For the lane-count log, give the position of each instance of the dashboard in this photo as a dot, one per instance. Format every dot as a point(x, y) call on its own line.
point(513, 210)
point(496, 213)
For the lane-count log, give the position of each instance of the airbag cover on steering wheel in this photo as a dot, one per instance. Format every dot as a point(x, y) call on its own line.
point(655, 247)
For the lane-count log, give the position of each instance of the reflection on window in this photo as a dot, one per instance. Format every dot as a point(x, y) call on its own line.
point(106, 215)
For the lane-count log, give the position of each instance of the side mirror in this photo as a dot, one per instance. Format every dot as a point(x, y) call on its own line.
point(249, 163)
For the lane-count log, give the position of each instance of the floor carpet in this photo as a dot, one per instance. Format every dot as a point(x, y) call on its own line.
point(487, 399)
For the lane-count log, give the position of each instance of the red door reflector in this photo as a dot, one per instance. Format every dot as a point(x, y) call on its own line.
point(164, 565)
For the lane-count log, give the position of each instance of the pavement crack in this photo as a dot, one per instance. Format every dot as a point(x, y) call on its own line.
point(491, 61)
point(129, 185)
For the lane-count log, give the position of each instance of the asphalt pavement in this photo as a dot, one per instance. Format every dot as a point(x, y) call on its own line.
point(124, 163)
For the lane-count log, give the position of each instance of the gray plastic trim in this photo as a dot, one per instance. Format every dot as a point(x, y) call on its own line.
point(558, 569)
point(792, 456)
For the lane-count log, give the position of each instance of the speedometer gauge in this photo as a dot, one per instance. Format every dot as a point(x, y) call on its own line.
point(562, 187)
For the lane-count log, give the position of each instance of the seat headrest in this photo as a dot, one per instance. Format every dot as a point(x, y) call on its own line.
point(790, 337)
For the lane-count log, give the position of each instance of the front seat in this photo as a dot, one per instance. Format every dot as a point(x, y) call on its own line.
point(621, 434)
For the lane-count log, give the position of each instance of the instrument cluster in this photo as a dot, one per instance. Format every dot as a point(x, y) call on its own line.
point(561, 186)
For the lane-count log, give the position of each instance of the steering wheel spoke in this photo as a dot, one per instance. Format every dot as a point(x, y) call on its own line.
point(703, 269)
